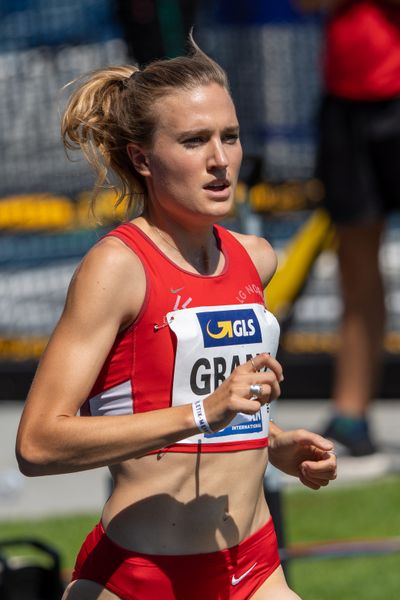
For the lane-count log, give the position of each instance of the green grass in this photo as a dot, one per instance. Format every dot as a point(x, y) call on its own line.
point(343, 512)
point(363, 511)
point(64, 534)
point(363, 578)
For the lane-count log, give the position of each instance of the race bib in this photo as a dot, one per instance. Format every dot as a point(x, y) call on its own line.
point(211, 342)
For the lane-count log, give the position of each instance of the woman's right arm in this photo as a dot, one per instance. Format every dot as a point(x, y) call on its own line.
point(105, 295)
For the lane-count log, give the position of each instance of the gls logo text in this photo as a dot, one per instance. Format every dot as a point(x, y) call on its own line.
point(229, 327)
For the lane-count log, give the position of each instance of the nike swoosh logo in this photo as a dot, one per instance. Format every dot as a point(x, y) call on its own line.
point(176, 291)
point(236, 580)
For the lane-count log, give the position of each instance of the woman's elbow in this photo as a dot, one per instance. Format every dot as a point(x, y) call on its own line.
point(32, 458)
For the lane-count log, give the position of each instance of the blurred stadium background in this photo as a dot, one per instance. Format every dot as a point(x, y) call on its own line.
point(271, 54)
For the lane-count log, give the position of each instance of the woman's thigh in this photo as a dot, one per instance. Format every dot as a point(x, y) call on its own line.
point(82, 589)
point(275, 587)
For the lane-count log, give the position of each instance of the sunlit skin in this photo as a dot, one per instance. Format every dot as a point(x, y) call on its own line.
point(195, 146)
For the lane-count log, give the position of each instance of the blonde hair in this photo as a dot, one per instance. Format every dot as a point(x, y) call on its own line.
point(114, 106)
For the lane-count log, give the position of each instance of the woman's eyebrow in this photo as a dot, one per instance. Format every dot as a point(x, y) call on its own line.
point(206, 130)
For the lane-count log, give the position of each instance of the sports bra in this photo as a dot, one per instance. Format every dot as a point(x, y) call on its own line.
point(190, 334)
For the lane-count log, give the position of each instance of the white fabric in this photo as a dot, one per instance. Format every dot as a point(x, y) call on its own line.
point(211, 342)
point(114, 401)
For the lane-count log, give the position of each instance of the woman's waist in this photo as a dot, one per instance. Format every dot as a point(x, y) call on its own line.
point(207, 524)
point(230, 555)
point(187, 506)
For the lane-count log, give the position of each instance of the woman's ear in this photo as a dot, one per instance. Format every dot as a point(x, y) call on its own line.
point(138, 159)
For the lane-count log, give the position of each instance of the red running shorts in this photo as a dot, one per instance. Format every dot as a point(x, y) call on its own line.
point(230, 574)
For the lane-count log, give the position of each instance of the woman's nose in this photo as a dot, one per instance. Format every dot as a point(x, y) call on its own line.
point(217, 157)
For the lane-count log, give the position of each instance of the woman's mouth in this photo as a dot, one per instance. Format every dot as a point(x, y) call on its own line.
point(218, 187)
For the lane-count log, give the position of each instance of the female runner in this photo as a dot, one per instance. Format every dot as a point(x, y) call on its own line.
point(162, 364)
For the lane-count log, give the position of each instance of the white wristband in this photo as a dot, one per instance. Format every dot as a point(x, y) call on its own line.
point(200, 416)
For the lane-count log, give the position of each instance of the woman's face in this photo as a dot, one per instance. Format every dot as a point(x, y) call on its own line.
point(194, 160)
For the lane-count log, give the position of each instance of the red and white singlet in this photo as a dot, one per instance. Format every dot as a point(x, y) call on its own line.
point(192, 331)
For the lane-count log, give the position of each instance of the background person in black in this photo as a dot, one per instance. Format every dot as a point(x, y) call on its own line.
point(358, 163)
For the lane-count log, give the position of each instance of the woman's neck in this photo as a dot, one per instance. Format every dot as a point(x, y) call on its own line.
point(198, 249)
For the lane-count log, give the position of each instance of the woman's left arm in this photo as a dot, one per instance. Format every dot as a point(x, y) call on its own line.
point(300, 453)
point(303, 454)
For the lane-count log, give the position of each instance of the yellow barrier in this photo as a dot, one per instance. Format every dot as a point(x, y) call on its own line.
point(285, 197)
point(106, 211)
point(46, 212)
point(296, 263)
point(36, 211)
point(310, 342)
point(22, 348)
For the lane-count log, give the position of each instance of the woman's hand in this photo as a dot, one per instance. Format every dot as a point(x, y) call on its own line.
point(234, 394)
point(304, 454)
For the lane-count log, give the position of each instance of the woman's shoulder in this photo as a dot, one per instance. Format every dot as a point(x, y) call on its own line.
point(261, 253)
point(110, 274)
point(111, 255)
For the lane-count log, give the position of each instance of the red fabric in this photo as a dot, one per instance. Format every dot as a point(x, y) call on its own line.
point(362, 51)
point(215, 447)
point(145, 356)
point(136, 576)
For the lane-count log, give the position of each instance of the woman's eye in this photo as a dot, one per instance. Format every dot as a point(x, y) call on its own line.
point(231, 138)
point(192, 142)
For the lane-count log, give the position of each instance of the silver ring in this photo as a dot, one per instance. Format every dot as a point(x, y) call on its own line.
point(256, 390)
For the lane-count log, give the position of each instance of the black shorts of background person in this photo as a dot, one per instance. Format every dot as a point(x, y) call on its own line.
point(359, 158)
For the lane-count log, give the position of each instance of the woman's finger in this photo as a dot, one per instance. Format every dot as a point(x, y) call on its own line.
point(264, 361)
point(323, 469)
point(265, 388)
